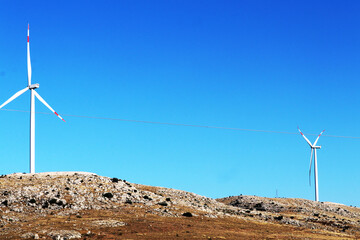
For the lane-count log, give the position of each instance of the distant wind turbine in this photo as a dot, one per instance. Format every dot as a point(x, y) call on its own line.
point(32, 88)
point(313, 153)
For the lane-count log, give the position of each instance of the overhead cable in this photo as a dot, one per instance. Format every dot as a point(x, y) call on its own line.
point(183, 124)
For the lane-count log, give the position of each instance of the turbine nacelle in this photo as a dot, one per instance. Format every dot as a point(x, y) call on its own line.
point(315, 147)
point(34, 86)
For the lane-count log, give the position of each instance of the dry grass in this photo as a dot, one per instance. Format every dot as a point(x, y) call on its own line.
point(142, 219)
point(141, 225)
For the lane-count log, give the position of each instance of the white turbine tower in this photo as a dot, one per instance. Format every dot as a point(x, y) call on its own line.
point(32, 88)
point(313, 153)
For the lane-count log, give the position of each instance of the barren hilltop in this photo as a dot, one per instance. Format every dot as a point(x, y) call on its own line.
point(79, 205)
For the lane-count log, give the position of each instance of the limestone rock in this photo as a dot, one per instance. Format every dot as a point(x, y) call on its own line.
point(64, 234)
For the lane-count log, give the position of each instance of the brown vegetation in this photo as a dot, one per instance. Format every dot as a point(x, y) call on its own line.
point(87, 206)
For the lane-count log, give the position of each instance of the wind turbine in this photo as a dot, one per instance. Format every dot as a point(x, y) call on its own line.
point(313, 153)
point(32, 88)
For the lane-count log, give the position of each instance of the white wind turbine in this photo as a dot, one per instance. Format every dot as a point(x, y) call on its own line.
point(313, 152)
point(32, 88)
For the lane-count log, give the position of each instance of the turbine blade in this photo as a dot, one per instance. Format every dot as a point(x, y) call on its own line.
point(318, 138)
point(312, 151)
point(307, 140)
point(45, 103)
point(28, 57)
point(14, 96)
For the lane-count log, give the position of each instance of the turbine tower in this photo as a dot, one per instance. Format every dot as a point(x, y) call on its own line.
point(32, 88)
point(313, 153)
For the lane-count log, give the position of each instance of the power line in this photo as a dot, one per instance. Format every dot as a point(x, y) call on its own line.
point(182, 124)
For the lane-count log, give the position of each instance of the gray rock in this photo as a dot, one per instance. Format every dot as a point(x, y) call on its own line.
point(109, 223)
point(64, 234)
point(30, 235)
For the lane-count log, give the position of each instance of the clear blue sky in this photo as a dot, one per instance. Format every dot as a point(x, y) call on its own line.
point(268, 65)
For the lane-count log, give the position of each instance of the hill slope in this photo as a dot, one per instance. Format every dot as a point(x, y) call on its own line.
point(87, 206)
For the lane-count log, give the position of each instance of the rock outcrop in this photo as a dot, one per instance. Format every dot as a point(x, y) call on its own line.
point(72, 194)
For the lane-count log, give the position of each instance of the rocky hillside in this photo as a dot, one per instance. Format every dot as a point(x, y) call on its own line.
point(299, 212)
point(78, 205)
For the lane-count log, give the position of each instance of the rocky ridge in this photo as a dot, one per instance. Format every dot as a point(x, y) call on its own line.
point(69, 194)
point(46, 192)
point(300, 212)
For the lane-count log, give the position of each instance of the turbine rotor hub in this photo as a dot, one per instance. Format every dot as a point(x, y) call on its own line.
point(34, 86)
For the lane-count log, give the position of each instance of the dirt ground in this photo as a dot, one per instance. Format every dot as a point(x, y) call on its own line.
point(133, 223)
